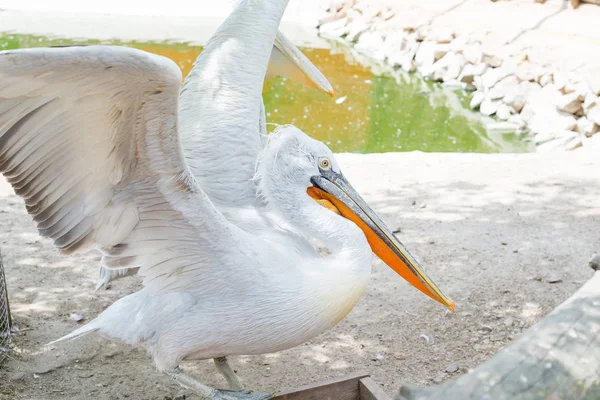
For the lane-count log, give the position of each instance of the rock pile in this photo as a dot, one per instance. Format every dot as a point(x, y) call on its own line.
point(559, 109)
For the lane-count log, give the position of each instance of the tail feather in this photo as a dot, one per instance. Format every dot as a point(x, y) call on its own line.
point(79, 332)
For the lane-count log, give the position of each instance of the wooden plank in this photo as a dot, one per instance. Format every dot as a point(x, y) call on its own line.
point(369, 390)
point(557, 358)
point(597, 2)
point(344, 388)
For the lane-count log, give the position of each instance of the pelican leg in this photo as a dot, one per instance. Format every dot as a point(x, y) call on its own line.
point(225, 370)
point(208, 393)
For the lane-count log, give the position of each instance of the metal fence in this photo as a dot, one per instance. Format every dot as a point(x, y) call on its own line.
point(5, 319)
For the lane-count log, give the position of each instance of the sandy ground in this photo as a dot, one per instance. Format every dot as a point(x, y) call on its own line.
point(493, 230)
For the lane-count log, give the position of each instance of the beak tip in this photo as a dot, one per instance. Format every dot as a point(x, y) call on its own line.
point(331, 93)
point(451, 306)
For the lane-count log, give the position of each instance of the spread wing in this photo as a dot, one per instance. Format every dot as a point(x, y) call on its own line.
point(88, 138)
point(221, 103)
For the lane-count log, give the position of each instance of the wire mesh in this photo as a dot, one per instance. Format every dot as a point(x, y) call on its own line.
point(5, 321)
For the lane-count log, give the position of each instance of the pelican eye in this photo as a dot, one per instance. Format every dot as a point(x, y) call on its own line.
point(324, 163)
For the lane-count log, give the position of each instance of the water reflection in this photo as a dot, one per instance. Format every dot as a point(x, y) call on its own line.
point(371, 113)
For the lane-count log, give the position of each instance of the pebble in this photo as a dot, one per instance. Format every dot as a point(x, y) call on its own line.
point(502, 126)
point(587, 127)
point(503, 112)
point(489, 107)
point(498, 336)
point(569, 103)
point(594, 262)
point(474, 54)
point(553, 278)
point(593, 113)
point(438, 379)
point(451, 368)
point(508, 322)
point(476, 100)
point(491, 60)
point(76, 317)
point(424, 337)
point(16, 376)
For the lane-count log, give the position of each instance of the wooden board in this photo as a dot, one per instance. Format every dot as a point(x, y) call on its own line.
point(369, 390)
point(357, 386)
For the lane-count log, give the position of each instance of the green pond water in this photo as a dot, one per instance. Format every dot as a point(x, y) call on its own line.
point(370, 113)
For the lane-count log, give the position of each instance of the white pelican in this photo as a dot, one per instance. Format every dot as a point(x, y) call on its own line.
point(90, 139)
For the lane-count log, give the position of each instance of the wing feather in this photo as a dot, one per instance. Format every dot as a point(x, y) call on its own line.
point(89, 140)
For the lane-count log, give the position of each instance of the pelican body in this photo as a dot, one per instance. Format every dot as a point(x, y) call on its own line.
point(185, 186)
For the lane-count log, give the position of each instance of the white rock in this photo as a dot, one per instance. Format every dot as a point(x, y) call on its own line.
point(569, 103)
point(581, 88)
point(477, 99)
point(336, 28)
point(440, 51)
point(517, 120)
point(371, 44)
point(75, 317)
point(489, 107)
point(356, 28)
point(564, 135)
point(332, 17)
point(503, 112)
point(421, 33)
point(409, 66)
point(574, 143)
point(503, 87)
point(527, 71)
point(427, 54)
point(459, 44)
point(492, 60)
point(395, 41)
point(548, 95)
point(517, 96)
point(454, 83)
point(589, 100)
point(545, 79)
point(550, 120)
point(403, 57)
point(493, 76)
point(473, 53)
point(587, 127)
point(593, 113)
point(470, 71)
point(502, 126)
point(593, 82)
point(527, 112)
point(425, 57)
point(559, 79)
point(442, 35)
point(448, 67)
point(363, 6)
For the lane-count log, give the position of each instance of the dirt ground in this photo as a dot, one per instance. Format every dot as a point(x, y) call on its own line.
point(507, 236)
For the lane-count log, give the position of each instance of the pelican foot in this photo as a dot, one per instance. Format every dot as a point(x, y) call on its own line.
point(209, 393)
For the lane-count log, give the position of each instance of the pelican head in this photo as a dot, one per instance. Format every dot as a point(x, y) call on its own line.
point(295, 165)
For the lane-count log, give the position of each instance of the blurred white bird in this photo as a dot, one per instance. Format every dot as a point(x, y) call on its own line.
point(219, 223)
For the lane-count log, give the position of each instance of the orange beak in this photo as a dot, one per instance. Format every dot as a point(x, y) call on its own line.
point(333, 188)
